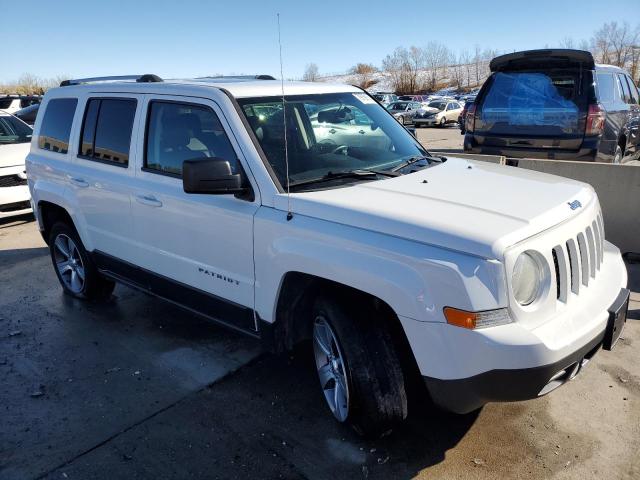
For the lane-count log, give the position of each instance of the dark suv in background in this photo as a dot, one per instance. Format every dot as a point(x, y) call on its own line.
point(555, 104)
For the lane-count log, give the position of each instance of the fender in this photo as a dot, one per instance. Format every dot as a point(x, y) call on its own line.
point(417, 281)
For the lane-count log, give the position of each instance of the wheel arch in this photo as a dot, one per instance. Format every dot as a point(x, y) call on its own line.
point(297, 294)
point(50, 213)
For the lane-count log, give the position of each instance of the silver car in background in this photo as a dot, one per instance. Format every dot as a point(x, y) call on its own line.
point(404, 111)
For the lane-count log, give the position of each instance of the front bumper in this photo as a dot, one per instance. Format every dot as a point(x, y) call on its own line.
point(508, 385)
point(451, 357)
point(425, 121)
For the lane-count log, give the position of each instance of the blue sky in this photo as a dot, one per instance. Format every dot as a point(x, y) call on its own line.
point(182, 38)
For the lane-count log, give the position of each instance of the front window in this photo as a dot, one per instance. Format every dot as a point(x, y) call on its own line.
point(328, 134)
point(13, 130)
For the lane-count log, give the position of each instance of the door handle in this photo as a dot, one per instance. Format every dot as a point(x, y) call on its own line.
point(148, 200)
point(361, 132)
point(333, 130)
point(79, 182)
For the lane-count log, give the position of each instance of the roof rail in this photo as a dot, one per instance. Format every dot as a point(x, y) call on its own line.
point(239, 77)
point(148, 77)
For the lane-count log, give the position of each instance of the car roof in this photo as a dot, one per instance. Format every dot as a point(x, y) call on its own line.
point(609, 68)
point(200, 86)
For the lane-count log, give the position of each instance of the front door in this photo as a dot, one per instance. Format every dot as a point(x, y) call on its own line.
point(203, 243)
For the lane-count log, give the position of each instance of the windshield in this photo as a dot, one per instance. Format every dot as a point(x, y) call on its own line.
point(333, 132)
point(398, 107)
point(13, 130)
point(438, 105)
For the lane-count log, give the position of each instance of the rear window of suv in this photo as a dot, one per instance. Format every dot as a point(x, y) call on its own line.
point(537, 103)
point(56, 125)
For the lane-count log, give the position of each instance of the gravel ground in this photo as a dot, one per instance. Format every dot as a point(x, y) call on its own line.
point(140, 389)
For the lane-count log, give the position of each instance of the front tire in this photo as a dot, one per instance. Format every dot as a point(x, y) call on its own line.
point(359, 370)
point(443, 122)
point(76, 271)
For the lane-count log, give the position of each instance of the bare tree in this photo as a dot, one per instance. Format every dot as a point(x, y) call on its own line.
point(601, 44)
point(311, 73)
point(436, 60)
point(403, 66)
point(477, 60)
point(456, 70)
point(567, 42)
point(364, 73)
point(465, 59)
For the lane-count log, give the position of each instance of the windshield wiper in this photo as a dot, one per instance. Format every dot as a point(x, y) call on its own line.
point(417, 158)
point(360, 174)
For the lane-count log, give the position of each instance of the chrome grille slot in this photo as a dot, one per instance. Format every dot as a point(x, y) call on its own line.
point(560, 264)
point(596, 234)
point(592, 253)
point(584, 259)
point(574, 265)
point(601, 225)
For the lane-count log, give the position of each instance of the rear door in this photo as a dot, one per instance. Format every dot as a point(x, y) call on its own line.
point(100, 176)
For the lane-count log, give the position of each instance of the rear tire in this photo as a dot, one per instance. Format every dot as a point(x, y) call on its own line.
point(76, 271)
point(358, 365)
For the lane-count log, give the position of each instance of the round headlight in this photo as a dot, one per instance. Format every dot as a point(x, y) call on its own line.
point(526, 279)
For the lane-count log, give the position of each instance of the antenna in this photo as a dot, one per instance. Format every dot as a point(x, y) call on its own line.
point(284, 116)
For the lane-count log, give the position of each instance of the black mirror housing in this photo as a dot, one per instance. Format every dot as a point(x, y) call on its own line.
point(211, 176)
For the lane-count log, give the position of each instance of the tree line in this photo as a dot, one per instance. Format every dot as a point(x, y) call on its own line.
point(434, 66)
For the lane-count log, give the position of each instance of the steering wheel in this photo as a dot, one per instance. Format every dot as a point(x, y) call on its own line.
point(341, 149)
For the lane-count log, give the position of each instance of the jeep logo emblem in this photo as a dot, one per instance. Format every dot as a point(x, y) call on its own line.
point(574, 205)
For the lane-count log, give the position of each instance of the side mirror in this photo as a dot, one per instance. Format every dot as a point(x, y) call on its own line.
point(212, 176)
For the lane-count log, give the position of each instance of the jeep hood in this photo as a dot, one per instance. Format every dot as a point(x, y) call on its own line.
point(13, 154)
point(473, 207)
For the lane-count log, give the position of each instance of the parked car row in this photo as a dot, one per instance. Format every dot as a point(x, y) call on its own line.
point(433, 113)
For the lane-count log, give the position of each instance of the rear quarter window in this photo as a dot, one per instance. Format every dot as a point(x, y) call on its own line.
point(606, 87)
point(56, 125)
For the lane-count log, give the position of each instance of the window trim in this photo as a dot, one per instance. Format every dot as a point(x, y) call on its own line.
point(69, 143)
point(95, 130)
point(144, 167)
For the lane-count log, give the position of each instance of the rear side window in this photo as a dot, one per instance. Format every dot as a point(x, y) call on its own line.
point(177, 132)
point(634, 91)
point(625, 94)
point(545, 103)
point(56, 125)
point(606, 87)
point(106, 130)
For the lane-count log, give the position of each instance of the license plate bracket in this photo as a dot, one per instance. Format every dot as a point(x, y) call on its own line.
point(617, 319)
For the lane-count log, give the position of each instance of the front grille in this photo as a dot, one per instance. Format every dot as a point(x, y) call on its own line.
point(579, 259)
point(14, 207)
point(12, 181)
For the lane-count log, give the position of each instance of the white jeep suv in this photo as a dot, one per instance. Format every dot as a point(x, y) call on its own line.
point(492, 283)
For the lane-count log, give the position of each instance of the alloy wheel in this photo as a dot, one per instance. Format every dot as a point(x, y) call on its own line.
point(69, 263)
point(331, 368)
